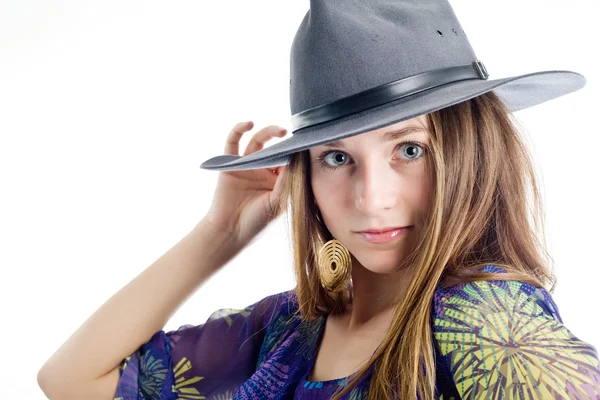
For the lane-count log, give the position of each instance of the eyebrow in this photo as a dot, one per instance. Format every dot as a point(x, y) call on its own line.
point(386, 137)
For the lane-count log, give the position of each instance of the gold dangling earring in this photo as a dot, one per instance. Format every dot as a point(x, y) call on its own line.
point(335, 266)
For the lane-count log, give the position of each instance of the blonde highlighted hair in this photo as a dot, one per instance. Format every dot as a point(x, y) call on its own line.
point(485, 209)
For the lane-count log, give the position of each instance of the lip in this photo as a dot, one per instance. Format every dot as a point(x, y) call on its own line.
point(385, 236)
point(384, 230)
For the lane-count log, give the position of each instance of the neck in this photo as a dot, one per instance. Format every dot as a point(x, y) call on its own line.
point(374, 296)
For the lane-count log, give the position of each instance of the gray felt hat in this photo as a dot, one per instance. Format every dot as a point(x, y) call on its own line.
point(359, 65)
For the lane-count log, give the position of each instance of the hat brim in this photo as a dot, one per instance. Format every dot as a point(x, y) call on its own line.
point(517, 92)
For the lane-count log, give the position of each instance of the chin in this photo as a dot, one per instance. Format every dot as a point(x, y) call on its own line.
point(379, 264)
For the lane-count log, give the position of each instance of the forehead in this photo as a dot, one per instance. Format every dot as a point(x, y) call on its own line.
point(388, 133)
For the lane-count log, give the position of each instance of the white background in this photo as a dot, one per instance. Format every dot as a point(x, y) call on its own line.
point(108, 108)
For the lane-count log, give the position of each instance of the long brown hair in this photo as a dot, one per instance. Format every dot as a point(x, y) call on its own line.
point(486, 209)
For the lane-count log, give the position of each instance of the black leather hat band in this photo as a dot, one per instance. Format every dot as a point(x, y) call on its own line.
point(386, 93)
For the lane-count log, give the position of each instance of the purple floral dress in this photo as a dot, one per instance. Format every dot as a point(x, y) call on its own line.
point(494, 339)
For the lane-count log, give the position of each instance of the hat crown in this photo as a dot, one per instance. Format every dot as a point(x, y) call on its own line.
point(343, 47)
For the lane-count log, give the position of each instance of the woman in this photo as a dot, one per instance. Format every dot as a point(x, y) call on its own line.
point(396, 128)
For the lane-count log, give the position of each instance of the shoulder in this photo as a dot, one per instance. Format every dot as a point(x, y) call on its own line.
point(276, 312)
point(287, 329)
point(280, 304)
point(494, 296)
point(268, 307)
point(493, 309)
point(496, 336)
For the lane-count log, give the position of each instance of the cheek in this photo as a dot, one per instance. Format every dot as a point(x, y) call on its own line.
point(329, 197)
point(324, 186)
point(421, 197)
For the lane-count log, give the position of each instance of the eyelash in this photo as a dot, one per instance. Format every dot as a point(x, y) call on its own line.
point(321, 158)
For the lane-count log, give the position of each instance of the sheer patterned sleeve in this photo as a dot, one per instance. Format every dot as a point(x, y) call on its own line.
point(506, 339)
point(203, 361)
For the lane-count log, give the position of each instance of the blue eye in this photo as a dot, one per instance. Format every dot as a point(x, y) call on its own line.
point(412, 146)
point(333, 159)
point(338, 157)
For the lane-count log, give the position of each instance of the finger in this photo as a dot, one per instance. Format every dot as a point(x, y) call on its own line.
point(232, 144)
point(261, 137)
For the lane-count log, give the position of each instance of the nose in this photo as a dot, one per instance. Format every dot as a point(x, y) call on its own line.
point(376, 187)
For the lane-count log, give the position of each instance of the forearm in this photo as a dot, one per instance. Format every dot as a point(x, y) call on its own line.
point(140, 309)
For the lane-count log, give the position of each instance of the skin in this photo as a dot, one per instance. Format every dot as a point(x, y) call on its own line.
point(374, 185)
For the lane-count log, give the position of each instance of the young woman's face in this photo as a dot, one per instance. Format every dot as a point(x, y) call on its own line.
point(371, 181)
